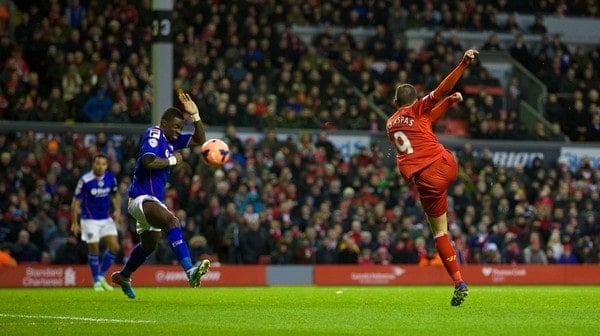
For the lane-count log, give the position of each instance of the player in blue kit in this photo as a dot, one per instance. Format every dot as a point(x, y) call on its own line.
point(158, 153)
point(92, 203)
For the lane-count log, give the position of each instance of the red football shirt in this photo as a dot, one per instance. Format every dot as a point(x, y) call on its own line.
point(410, 131)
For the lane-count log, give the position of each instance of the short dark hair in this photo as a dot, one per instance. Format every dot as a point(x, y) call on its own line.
point(172, 113)
point(100, 155)
point(405, 95)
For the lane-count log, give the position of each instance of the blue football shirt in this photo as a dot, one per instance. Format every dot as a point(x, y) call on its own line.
point(94, 194)
point(153, 181)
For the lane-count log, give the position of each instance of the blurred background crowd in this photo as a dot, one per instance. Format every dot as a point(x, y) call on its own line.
point(90, 61)
point(295, 200)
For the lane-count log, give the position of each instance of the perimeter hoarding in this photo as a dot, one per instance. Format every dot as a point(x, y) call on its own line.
point(48, 276)
point(35, 275)
point(574, 156)
point(473, 274)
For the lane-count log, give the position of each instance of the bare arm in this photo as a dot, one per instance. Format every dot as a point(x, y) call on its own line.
point(448, 83)
point(199, 136)
point(151, 161)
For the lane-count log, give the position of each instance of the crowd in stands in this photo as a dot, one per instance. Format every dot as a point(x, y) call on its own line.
point(297, 201)
point(90, 61)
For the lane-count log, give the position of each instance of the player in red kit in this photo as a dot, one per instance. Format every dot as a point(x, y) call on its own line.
point(422, 159)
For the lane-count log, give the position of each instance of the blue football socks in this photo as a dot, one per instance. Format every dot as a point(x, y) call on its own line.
point(180, 248)
point(94, 261)
point(107, 260)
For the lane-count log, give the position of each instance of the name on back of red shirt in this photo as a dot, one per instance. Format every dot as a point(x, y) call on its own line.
point(401, 120)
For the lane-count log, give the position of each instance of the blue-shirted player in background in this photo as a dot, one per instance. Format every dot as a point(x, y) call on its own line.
point(92, 203)
point(158, 153)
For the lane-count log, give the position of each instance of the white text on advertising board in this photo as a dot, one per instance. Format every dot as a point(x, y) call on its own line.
point(377, 278)
point(49, 277)
point(500, 275)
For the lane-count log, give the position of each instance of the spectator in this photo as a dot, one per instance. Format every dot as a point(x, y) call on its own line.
point(534, 254)
point(431, 258)
point(52, 155)
point(538, 27)
point(567, 256)
point(520, 52)
point(24, 250)
point(199, 249)
point(348, 250)
point(71, 252)
point(327, 253)
point(117, 115)
point(232, 242)
point(305, 251)
point(554, 110)
point(492, 43)
point(97, 107)
point(75, 13)
point(57, 108)
point(593, 132)
point(511, 25)
point(71, 87)
point(513, 253)
point(36, 234)
point(282, 255)
point(253, 242)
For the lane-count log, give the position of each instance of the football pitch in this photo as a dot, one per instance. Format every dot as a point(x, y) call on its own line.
point(310, 310)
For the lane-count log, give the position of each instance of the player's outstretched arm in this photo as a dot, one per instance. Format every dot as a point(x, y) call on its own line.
point(441, 108)
point(448, 83)
point(191, 108)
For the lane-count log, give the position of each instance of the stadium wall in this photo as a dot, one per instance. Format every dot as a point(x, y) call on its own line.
point(49, 276)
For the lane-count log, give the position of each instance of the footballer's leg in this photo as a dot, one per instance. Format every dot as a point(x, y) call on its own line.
point(432, 184)
point(139, 254)
point(90, 233)
point(94, 263)
point(448, 255)
point(159, 216)
point(107, 259)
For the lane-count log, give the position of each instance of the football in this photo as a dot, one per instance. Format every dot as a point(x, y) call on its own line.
point(215, 152)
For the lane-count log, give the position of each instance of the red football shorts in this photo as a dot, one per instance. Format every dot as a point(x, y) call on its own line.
point(432, 183)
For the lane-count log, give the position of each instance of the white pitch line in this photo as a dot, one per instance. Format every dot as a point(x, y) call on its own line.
point(72, 318)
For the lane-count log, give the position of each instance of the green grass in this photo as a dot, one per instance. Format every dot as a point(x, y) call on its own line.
point(414, 310)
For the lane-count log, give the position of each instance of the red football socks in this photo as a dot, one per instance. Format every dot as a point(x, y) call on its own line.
point(448, 255)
